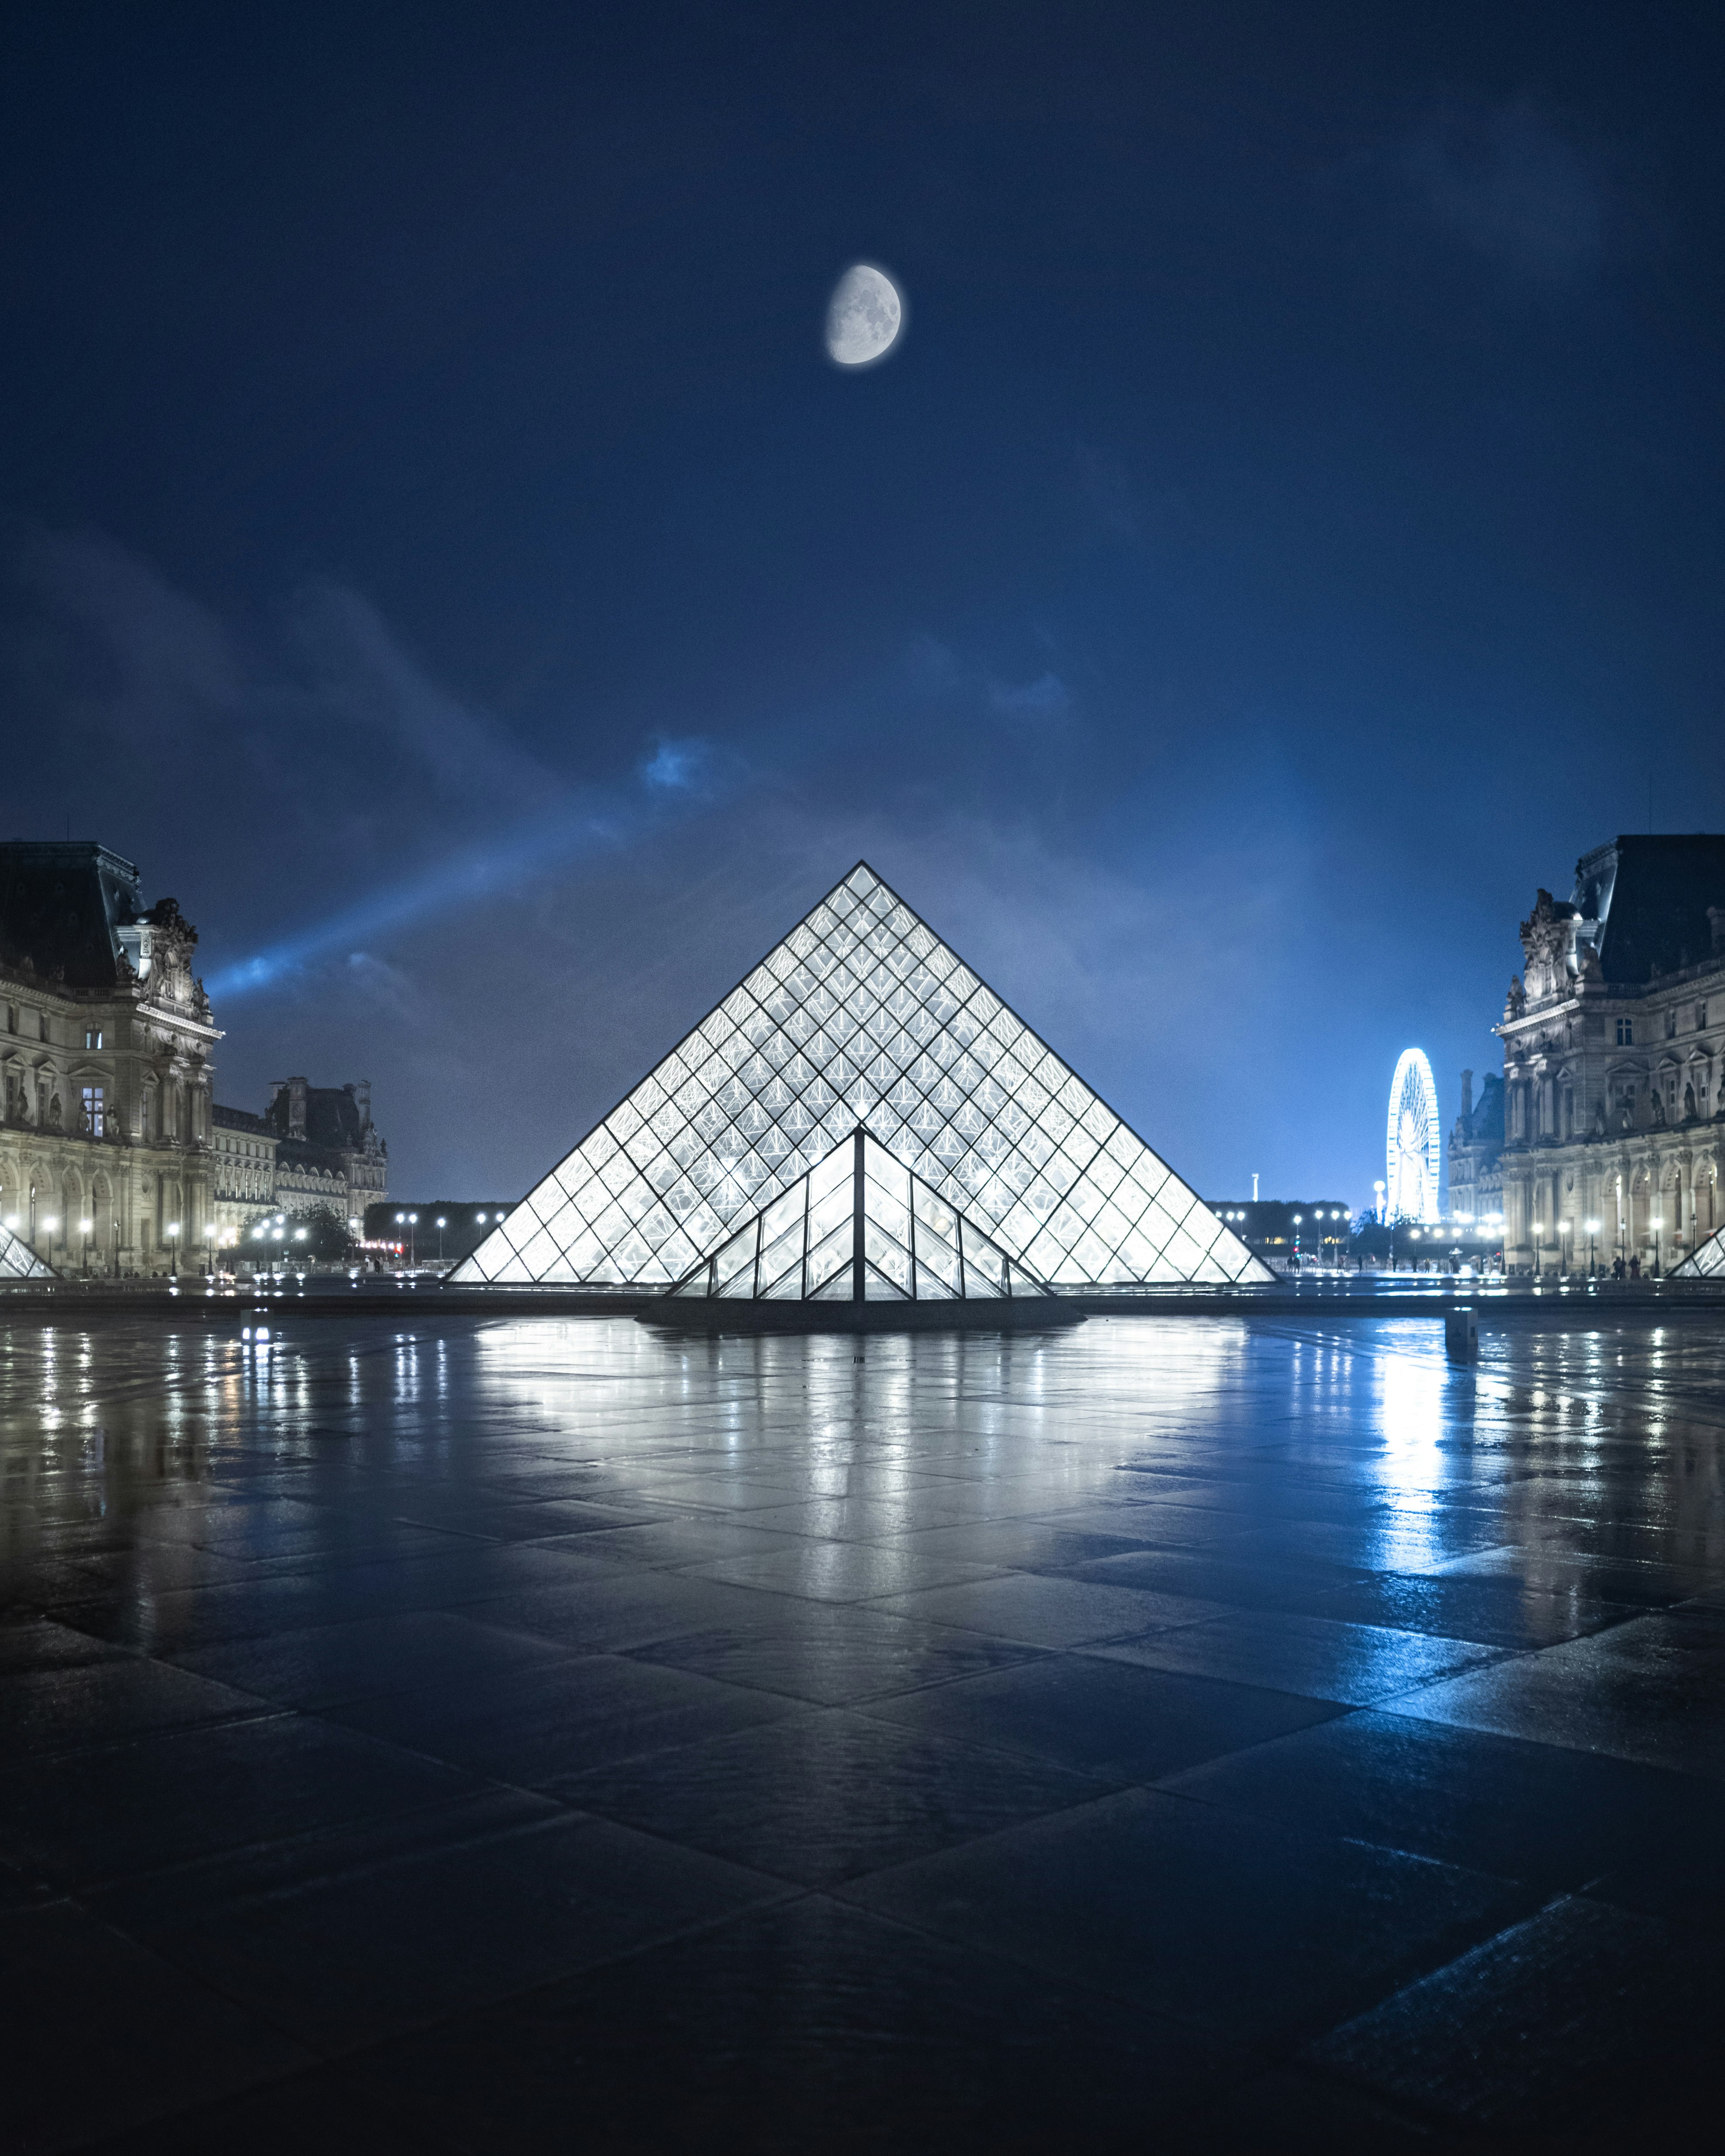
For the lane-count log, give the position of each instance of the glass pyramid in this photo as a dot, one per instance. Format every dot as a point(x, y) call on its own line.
point(18, 1261)
point(1707, 1263)
point(862, 1018)
point(859, 1227)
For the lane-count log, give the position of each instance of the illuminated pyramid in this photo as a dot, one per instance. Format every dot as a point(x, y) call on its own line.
point(18, 1261)
point(859, 1227)
point(862, 1018)
point(1705, 1263)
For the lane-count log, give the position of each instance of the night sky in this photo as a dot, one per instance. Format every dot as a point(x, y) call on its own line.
point(437, 549)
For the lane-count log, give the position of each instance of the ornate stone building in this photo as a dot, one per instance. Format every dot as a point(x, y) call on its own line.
point(105, 1038)
point(244, 1171)
point(315, 1149)
point(1613, 1062)
point(1476, 1153)
point(328, 1154)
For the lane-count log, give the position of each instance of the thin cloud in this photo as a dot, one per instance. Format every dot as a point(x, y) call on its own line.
point(1504, 181)
point(1046, 697)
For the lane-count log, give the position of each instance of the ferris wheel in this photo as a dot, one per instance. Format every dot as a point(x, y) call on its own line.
point(1412, 1157)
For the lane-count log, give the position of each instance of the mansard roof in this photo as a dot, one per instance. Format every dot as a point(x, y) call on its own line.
point(862, 1018)
point(60, 901)
point(1652, 891)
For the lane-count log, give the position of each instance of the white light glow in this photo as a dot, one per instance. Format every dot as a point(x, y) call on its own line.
point(1412, 1163)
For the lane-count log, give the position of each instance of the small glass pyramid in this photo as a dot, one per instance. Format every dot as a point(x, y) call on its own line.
point(1705, 1263)
point(18, 1261)
point(859, 1227)
point(862, 1018)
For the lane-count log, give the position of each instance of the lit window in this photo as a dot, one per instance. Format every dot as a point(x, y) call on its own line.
point(92, 1036)
point(93, 1112)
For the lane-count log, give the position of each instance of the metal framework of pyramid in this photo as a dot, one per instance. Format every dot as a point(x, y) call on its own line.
point(862, 1018)
point(859, 1227)
point(1707, 1263)
point(18, 1261)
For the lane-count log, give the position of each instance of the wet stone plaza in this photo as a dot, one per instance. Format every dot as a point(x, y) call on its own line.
point(1172, 1733)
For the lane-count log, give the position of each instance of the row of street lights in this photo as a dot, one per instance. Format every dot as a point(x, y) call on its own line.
point(1591, 1230)
point(410, 1221)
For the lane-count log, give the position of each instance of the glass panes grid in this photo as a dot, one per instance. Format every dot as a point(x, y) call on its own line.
point(1705, 1263)
point(915, 1248)
point(18, 1261)
point(862, 1016)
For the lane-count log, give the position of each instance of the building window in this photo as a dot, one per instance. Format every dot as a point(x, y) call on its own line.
point(1671, 1023)
point(1625, 1033)
point(1701, 1017)
point(95, 1113)
point(92, 1036)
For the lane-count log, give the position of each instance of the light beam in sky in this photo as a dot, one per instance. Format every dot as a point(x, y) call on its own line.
point(586, 824)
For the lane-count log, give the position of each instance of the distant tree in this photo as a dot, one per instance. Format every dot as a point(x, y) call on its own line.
point(327, 1239)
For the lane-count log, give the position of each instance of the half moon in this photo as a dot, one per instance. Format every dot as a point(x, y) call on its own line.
point(863, 317)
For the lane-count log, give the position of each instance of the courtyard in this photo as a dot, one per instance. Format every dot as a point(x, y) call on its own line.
point(469, 1735)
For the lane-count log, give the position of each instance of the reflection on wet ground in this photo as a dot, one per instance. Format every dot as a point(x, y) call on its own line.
point(537, 1735)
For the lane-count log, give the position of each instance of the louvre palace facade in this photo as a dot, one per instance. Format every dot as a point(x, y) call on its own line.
point(1613, 1062)
point(115, 1158)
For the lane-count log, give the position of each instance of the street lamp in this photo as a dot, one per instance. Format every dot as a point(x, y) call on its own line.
point(209, 1249)
point(1536, 1233)
point(1593, 1230)
point(441, 1225)
point(412, 1223)
point(1656, 1223)
point(84, 1229)
point(174, 1249)
point(1565, 1229)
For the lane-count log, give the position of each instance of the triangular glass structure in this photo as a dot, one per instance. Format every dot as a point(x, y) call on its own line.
point(18, 1261)
point(1707, 1263)
point(861, 1018)
point(859, 1227)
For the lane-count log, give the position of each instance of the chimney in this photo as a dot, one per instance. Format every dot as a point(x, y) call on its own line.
point(295, 1088)
point(1466, 1095)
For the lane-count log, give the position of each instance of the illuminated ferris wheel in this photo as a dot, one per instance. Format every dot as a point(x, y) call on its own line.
point(1411, 1161)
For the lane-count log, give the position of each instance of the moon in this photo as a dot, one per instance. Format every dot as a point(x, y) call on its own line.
point(863, 317)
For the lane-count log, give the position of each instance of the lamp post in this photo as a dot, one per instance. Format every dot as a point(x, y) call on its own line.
point(1593, 1230)
point(1536, 1250)
point(84, 1229)
point(209, 1249)
point(1566, 1229)
point(440, 1224)
point(1657, 1224)
point(1380, 1187)
point(412, 1255)
point(174, 1249)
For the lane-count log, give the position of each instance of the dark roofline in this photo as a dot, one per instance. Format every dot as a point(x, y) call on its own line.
point(239, 1119)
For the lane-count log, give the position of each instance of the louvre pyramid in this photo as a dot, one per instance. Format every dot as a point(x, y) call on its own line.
point(1707, 1263)
point(859, 1227)
point(861, 1018)
point(18, 1261)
